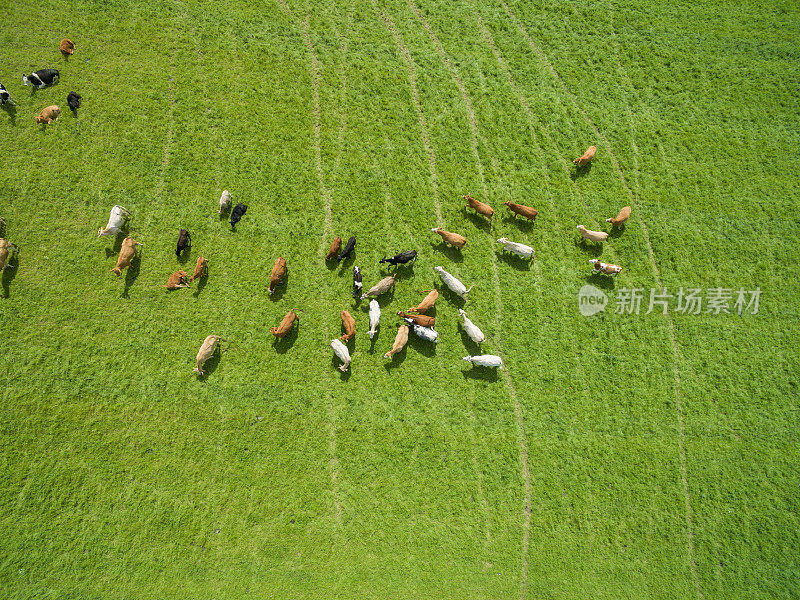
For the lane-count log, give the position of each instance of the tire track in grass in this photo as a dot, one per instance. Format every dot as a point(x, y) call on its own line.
point(411, 72)
point(333, 464)
point(508, 381)
point(675, 351)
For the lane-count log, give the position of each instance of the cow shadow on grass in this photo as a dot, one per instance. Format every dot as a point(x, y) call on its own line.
point(593, 249)
point(517, 262)
point(451, 297)
point(616, 232)
point(400, 272)
point(9, 273)
point(132, 273)
point(184, 255)
point(201, 283)
point(473, 349)
point(451, 252)
point(11, 110)
point(601, 281)
point(336, 363)
point(481, 373)
point(523, 224)
point(118, 239)
point(2, 228)
point(480, 222)
point(424, 347)
point(580, 171)
point(284, 344)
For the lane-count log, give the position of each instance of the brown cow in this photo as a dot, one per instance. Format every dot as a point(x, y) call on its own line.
point(592, 236)
point(334, 249)
point(285, 325)
point(126, 254)
point(423, 320)
point(480, 207)
point(459, 241)
point(620, 219)
point(277, 275)
point(399, 341)
point(427, 302)
point(586, 158)
point(349, 324)
point(48, 115)
point(177, 281)
point(67, 47)
point(6, 250)
point(522, 210)
point(207, 351)
point(200, 269)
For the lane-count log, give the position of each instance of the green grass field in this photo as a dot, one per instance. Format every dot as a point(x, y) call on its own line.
point(617, 456)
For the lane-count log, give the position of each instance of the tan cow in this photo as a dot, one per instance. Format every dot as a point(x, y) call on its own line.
point(177, 281)
point(6, 250)
point(200, 268)
point(206, 351)
point(587, 157)
point(480, 207)
point(400, 341)
point(620, 219)
point(126, 254)
point(522, 210)
point(459, 241)
point(285, 325)
point(278, 273)
point(592, 236)
point(67, 47)
point(48, 115)
point(427, 302)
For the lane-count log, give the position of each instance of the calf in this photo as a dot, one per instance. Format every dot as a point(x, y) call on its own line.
point(206, 351)
point(620, 219)
point(357, 285)
point(592, 236)
point(485, 360)
point(6, 250)
point(5, 97)
point(177, 281)
point(517, 248)
point(425, 333)
point(340, 350)
point(67, 47)
point(41, 78)
point(522, 210)
point(48, 115)
point(224, 202)
point(200, 268)
point(184, 242)
point(236, 214)
point(379, 288)
point(348, 249)
point(277, 275)
point(374, 317)
point(286, 325)
point(587, 157)
point(116, 221)
point(74, 101)
point(334, 249)
point(402, 258)
point(126, 254)
point(427, 302)
point(475, 334)
point(349, 324)
point(454, 284)
point(459, 241)
point(480, 207)
point(423, 320)
point(399, 341)
point(605, 268)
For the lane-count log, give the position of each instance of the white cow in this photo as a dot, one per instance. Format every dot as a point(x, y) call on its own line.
point(116, 221)
point(485, 360)
point(517, 248)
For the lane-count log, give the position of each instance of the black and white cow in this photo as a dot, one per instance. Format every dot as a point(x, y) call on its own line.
point(5, 97)
point(41, 78)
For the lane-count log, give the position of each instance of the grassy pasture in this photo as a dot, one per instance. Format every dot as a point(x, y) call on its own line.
point(619, 456)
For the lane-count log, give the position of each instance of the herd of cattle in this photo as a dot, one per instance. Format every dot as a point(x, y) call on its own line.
point(415, 319)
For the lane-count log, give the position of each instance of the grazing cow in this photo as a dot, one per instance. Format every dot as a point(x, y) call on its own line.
point(74, 101)
point(334, 249)
point(5, 97)
point(340, 350)
point(357, 284)
point(475, 334)
point(286, 325)
point(459, 241)
point(41, 78)
point(349, 324)
point(423, 320)
point(374, 317)
point(517, 248)
point(200, 268)
point(485, 360)
point(427, 302)
point(592, 236)
point(379, 288)
point(454, 284)
point(277, 275)
point(6, 250)
point(425, 333)
point(207, 351)
point(348, 249)
point(604, 268)
point(67, 47)
point(116, 221)
point(402, 258)
point(522, 210)
point(224, 202)
point(184, 242)
point(177, 281)
point(399, 341)
point(620, 219)
point(126, 254)
point(586, 158)
point(480, 207)
point(236, 214)
point(48, 115)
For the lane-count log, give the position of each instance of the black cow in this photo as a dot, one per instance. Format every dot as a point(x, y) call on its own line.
point(74, 101)
point(402, 258)
point(348, 249)
point(184, 241)
point(236, 214)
